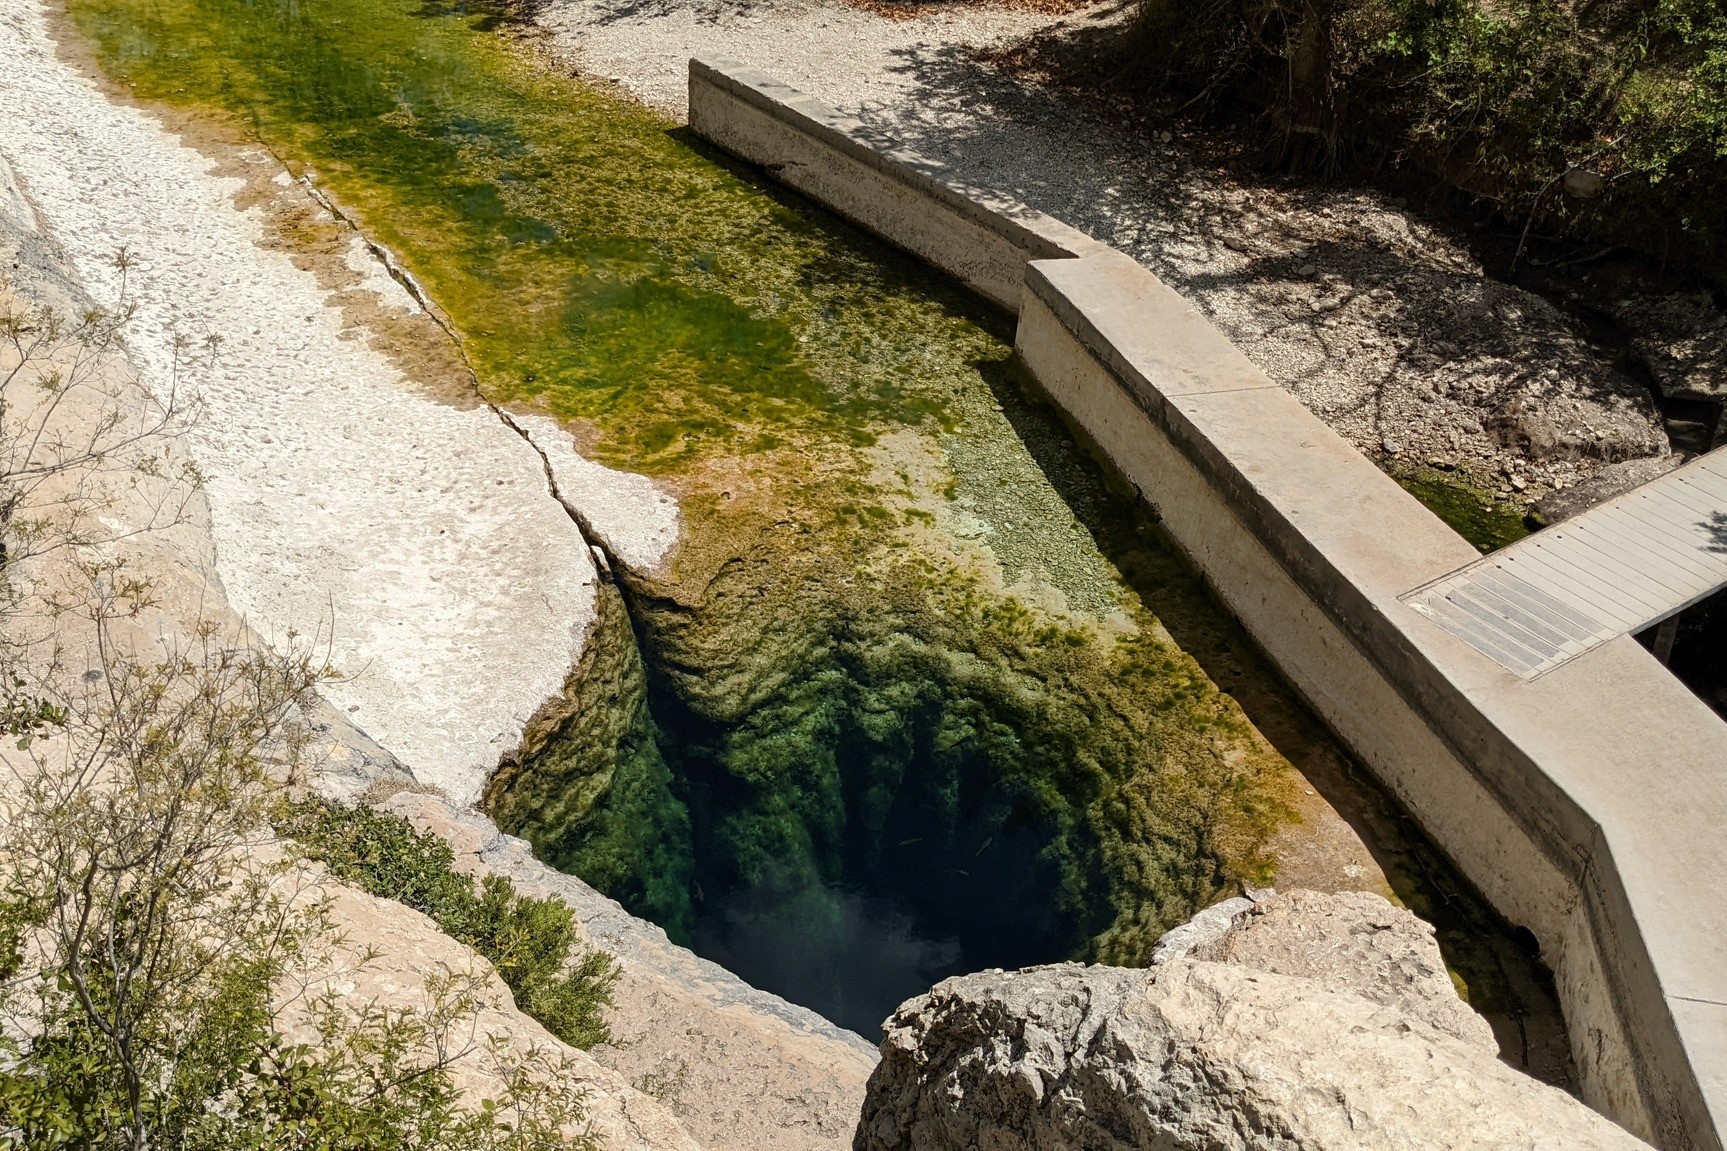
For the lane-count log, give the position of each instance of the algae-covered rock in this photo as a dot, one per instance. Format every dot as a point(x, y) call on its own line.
point(740, 1069)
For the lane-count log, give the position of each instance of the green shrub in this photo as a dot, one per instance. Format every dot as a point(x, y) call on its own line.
point(158, 980)
point(1499, 97)
point(529, 940)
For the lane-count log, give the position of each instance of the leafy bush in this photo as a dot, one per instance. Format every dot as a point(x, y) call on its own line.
point(528, 940)
point(1500, 97)
point(148, 956)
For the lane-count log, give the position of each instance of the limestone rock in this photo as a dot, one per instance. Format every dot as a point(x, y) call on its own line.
point(1207, 927)
point(1681, 338)
point(1357, 942)
point(741, 1069)
point(348, 497)
point(1319, 1022)
point(1195, 1055)
point(387, 953)
point(726, 1065)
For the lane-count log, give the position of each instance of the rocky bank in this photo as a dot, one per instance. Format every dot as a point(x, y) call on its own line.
point(1313, 1022)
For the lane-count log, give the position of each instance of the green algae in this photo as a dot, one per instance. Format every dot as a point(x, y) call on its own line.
point(596, 263)
point(897, 652)
point(589, 764)
point(1472, 513)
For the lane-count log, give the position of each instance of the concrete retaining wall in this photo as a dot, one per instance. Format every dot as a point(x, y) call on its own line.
point(1589, 804)
point(981, 238)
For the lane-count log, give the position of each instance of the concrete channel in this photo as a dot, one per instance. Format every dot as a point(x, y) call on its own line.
point(1587, 802)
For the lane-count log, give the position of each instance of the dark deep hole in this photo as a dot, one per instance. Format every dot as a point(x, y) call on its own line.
point(932, 868)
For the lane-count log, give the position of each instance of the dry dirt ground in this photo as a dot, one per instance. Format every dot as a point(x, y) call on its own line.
point(1386, 326)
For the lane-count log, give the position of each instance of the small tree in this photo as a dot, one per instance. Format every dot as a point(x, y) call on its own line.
point(151, 924)
point(74, 422)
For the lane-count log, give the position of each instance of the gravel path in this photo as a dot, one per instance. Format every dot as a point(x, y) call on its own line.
point(1384, 327)
point(424, 535)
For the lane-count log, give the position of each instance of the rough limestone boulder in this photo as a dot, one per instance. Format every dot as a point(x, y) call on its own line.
point(1357, 942)
point(1215, 1056)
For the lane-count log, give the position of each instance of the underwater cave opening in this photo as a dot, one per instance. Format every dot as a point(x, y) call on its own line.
point(905, 856)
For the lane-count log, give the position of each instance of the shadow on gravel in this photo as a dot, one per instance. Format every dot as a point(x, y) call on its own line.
point(1385, 326)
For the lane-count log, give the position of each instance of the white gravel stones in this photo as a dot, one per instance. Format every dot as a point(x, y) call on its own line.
point(424, 538)
point(853, 59)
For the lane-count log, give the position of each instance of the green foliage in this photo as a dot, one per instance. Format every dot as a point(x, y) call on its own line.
point(1499, 98)
point(152, 963)
point(364, 1083)
point(372, 1079)
point(24, 715)
point(529, 940)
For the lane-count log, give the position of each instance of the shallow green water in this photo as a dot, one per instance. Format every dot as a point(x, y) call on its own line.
point(909, 702)
point(1471, 512)
point(594, 261)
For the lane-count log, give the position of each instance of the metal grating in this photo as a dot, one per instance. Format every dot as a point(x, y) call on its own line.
point(1613, 569)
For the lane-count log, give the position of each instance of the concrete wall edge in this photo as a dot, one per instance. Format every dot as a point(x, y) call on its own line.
point(1040, 236)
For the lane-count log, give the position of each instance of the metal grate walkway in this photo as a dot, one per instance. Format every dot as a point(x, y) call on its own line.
point(1616, 568)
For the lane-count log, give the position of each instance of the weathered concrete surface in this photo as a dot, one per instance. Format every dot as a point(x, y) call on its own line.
point(421, 536)
point(1196, 1056)
point(1379, 321)
point(741, 1069)
point(1577, 816)
point(983, 239)
point(1295, 627)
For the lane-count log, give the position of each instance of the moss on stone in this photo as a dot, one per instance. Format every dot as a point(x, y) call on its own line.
point(1472, 512)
